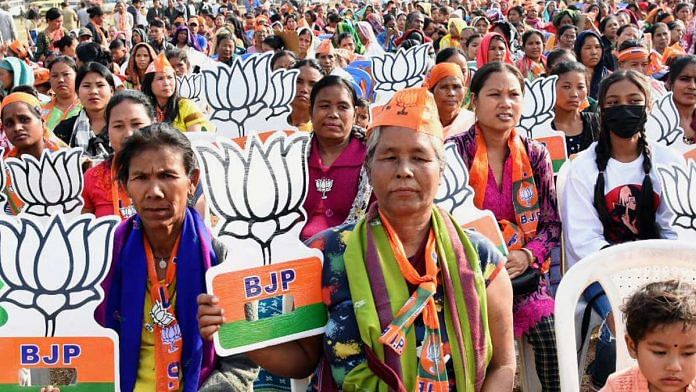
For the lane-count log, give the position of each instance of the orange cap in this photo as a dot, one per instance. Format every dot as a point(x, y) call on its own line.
point(159, 64)
point(19, 49)
point(325, 47)
point(410, 108)
point(441, 71)
point(21, 97)
point(41, 76)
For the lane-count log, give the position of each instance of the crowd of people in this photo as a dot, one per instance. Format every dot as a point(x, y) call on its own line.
point(439, 306)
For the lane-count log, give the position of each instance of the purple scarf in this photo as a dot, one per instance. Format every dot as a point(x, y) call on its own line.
point(126, 287)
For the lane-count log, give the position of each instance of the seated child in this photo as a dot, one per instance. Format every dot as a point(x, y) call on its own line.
point(661, 336)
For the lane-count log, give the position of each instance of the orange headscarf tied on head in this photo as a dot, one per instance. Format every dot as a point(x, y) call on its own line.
point(159, 64)
point(441, 71)
point(325, 47)
point(413, 108)
point(482, 55)
point(635, 53)
point(19, 49)
point(21, 97)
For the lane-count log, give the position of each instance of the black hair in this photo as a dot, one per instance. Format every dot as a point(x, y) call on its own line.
point(329, 81)
point(362, 103)
point(678, 66)
point(157, 23)
point(484, 73)
point(679, 7)
point(279, 55)
point(625, 27)
point(97, 68)
point(566, 67)
point(177, 53)
point(654, 27)
point(312, 63)
point(630, 43)
point(53, 14)
point(92, 52)
point(334, 18)
point(117, 44)
point(343, 36)
point(529, 33)
point(564, 28)
point(62, 59)
point(519, 9)
point(64, 42)
point(472, 38)
point(275, 42)
point(646, 225)
point(154, 137)
point(388, 18)
point(95, 11)
point(445, 54)
point(506, 28)
point(133, 96)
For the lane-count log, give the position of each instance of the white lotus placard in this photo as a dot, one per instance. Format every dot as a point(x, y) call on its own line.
point(663, 126)
point(396, 71)
point(248, 97)
point(680, 195)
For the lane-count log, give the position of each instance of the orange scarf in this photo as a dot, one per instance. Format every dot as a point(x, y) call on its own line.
point(168, 340)
point(525, 196)
point(432, 374)
point(123, 206)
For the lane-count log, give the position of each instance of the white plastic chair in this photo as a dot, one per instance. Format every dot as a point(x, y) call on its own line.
point(620, 270)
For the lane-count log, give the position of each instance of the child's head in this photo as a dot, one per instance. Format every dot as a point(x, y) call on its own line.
point(661, 333)
point(362, 113)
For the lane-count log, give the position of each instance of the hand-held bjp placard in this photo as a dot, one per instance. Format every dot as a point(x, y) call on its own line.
point(256, 186)
point(52, 262)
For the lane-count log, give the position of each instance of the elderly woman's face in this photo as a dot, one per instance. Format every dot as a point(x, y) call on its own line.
point(449, 94)
point(404, 171)
point(159, 186)
point(333, 114)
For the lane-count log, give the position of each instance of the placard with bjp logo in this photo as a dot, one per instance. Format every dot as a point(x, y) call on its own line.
point(663, 127)
point(537, 118)
point(52, 262)
point(270, 283)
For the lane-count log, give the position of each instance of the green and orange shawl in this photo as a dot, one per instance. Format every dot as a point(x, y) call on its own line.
point(375, 278)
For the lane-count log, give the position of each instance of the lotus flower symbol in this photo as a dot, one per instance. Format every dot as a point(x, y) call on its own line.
point(539, 102)
point(56, 268)
point(160, 315)
point(400, 70)
point(680, 193)
point(50, 185)
point(454, 188)
point(240, 93)
point(269, 171)
point(663, 122)
point(190, 86)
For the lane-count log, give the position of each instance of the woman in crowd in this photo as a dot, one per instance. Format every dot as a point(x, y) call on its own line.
point(660, 37)
point(305, 43)
point(123, 20)
point(127, 112)
point(260, 34)
point(684, 13)
point(183, 39)
point(609, 28)
point(560, 20)
point(471, 46)
point(142, 56)
point(533, 64)
point(159, 263)
point(447, 84)
point(590, 52)
point(682, 83)
point(404, 247)
point(53, 32)
point(224, 48)
point(348, 29)
point(566, 36)
point(87, 130)
point(369, 40)
point(493, 48)
point(581, 128)
point(283, 59)
point(512, 176)
point(310, 74)
point(67, 46)
point(139, 36)
point(613, 193)
point(24, 128)
point(481, 24)
point(65, 102)
point(14, 72)
point(453, 38)
point(159, 85)
point(556, 57)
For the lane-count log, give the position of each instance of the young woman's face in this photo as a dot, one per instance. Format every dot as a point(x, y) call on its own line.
point(164, 84)
point(7, 79)
point(481, 26)
point(124, 119)
point(684, 87)
point(514, 16)
point(305, 40)
point(610, 28)
point(684, 14)
point(94, 92)
point(22, 126)
point(285, 62)
point(472, 49)
point(348, 43)
point(225, 49)
point(567, 39)
point(624, 92)
point(142, 58)
point(499, 103)
point(571, 91)
point(333, 114)
point(306, 80)
point(591, 52)
point(182, 37)
point(62, 78)
point(534, 47)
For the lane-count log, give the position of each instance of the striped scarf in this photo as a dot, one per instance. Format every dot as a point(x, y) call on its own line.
point(377, 283)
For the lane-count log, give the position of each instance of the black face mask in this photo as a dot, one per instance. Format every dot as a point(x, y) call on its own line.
point(625, 120)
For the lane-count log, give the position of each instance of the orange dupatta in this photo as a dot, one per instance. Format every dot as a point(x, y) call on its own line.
point(525, 196)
